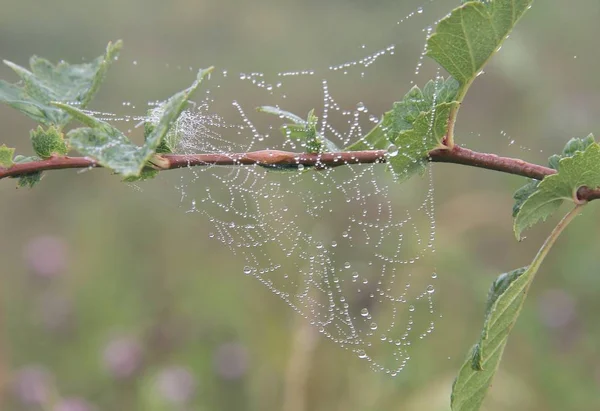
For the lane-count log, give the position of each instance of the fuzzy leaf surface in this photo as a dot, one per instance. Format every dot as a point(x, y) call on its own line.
point(6, 156)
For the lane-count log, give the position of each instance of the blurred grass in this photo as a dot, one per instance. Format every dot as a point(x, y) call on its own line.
point(138, 267)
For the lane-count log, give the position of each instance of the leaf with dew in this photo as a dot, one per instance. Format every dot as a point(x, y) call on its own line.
point(112, 149)
point(63, 82)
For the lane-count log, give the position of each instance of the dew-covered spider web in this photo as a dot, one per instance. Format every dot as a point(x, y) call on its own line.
point(348, 248)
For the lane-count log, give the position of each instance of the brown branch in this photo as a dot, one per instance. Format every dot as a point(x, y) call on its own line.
point(53, 163)
point(464, 156)
point(456, 155)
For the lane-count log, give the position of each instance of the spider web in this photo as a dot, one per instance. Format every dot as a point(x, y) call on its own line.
point(347, 248)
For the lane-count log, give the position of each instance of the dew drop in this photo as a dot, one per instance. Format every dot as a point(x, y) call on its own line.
point(392, 150)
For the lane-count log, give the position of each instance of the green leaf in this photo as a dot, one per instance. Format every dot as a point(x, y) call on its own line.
point(18, 99)
point(582, 169)
point(48, 142)
point(405, 112)
point(505, 301)
point(577, 144)
point(145, 174)
point(467, 38)
point(302, 130)
point(112, 149)
point(572, 146)
point(46, 83)
point(104, 143)
point(412, 147)
point(19, 159)
point(522, 194)
point(28, 180)
point(170, 142)
point(6, 156)
point(171, 110)
point(312, 141)
point(102, 64)
point(281, 114)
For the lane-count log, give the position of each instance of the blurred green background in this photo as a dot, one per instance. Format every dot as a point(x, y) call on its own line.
point(112, 299)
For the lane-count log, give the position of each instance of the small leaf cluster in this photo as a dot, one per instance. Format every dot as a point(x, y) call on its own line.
point(303, 131)
point(53, 95)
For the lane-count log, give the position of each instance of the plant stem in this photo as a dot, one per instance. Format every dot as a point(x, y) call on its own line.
point(455, 155)
point(563, 223)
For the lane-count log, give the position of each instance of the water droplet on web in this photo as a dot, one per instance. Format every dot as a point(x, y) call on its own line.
point(392, 150)
point(247, 270)
point(364, 312)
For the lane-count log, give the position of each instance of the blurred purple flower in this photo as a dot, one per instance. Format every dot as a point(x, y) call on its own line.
point(123, 357)
point(73, 404)
point(176, 385)
point(46, 256)
point(231, 361)
point(32, 385)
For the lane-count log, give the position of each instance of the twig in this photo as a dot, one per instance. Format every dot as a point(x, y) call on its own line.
point(456, 155)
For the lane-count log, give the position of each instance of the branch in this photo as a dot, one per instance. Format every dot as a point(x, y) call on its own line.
point(456, 155)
